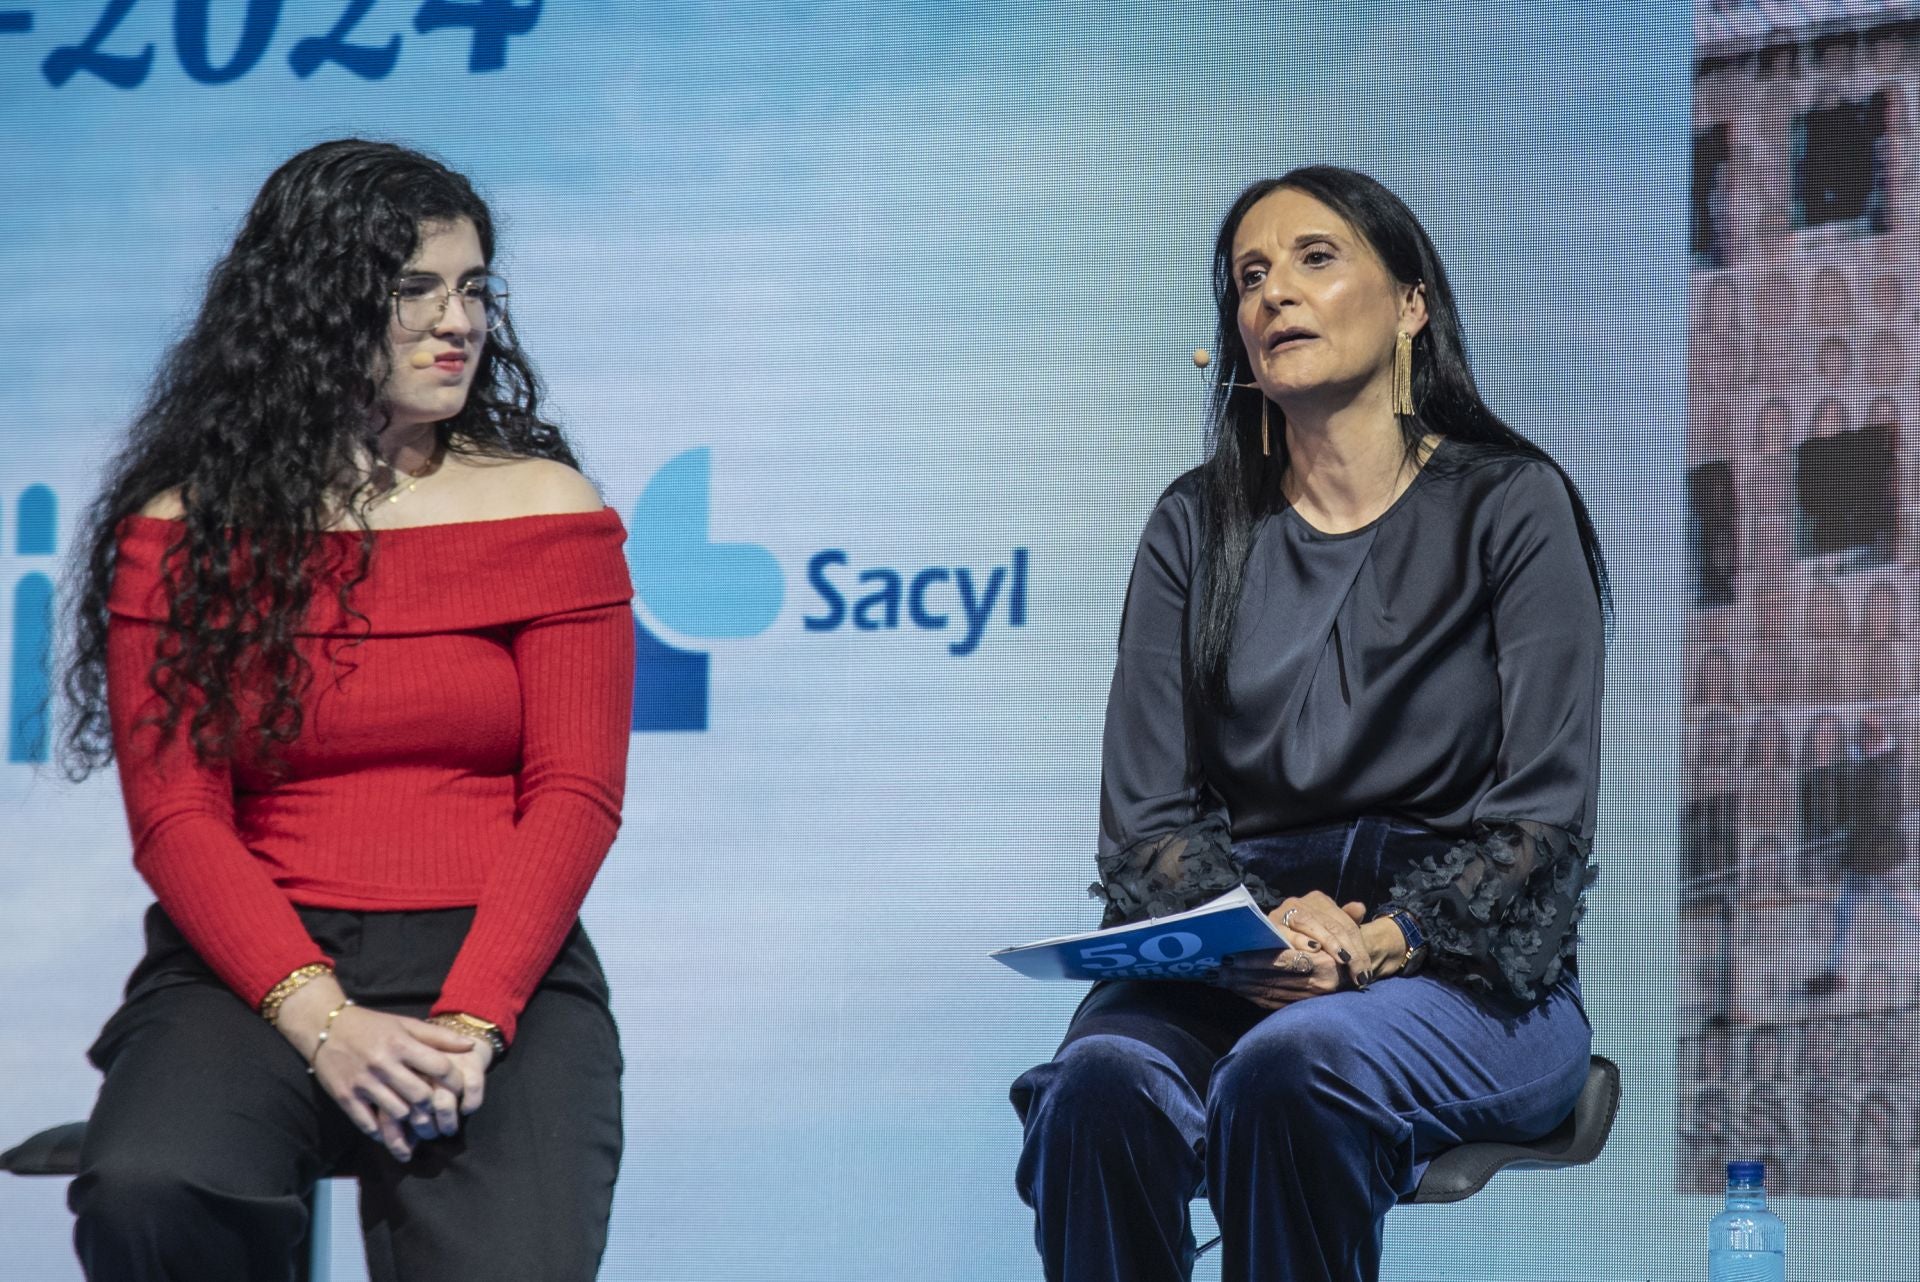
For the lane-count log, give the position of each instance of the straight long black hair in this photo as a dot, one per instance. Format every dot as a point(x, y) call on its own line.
point(1240, 486)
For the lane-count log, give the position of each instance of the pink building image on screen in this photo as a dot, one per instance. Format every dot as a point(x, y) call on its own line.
point(1799, 904)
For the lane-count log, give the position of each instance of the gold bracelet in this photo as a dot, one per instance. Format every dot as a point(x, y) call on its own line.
point(473, 1026)
point(326, 1031)
point(277, 995)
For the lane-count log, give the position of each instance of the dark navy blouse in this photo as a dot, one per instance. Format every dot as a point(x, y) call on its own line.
point(1441, 665)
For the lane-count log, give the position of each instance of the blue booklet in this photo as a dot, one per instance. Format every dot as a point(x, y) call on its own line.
point(1188, 945)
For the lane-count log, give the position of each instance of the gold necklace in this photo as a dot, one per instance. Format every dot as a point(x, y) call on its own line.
point(399, 491)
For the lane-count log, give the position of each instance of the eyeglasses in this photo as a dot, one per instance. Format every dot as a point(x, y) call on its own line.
point(420, 301)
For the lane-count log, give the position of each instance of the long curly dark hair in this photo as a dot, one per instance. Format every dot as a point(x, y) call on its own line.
point(260, 417)
point(1240, 486)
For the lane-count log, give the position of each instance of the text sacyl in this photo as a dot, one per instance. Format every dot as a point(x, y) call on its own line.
point(928, 599)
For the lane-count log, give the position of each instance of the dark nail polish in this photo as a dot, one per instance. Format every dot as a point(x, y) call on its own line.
point(1346, 958)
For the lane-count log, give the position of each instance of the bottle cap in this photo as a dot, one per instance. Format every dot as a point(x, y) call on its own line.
point(1749, 1174)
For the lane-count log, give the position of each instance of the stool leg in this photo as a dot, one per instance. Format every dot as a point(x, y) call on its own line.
point(315, 1260)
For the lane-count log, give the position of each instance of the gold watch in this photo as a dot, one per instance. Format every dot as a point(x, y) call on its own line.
point(473, 1026)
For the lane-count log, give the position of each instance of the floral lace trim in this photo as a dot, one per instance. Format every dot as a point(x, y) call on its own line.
point(1501, 908)
point(1172, 872)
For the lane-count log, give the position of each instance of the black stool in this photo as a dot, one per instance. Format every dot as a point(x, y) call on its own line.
point(56, 1151)
point(1459, 1173)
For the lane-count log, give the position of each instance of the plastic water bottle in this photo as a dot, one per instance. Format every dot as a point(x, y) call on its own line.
point(1746, 1242)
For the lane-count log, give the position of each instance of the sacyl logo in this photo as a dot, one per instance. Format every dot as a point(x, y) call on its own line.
point(691, 586)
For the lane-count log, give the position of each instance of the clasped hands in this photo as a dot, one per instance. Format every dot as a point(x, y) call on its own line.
point(1330, 946)
point(400, 1080)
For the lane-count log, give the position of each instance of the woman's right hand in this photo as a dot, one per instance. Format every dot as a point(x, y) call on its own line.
point(1325, 952)
point(1318, 924)
point(387, 1072)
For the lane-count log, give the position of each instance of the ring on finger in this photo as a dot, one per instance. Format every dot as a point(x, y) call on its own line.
point(1286, 918)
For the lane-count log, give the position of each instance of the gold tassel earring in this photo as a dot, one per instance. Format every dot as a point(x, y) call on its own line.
point(1403, 373)
point(1266, 446)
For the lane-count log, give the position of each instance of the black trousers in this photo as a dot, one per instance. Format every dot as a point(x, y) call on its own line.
point(209, 1130)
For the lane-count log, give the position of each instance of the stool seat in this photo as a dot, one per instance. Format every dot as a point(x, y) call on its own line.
point(1458, 1173)
point(1461, 1172)
point(56, 1151)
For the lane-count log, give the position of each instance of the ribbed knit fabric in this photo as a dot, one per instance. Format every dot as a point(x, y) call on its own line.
point(466, 745)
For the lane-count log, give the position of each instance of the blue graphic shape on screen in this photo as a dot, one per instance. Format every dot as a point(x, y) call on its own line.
point(35, 516)
point(32, 646)
point(669, 684)
point(694, 586)
point(33, 530)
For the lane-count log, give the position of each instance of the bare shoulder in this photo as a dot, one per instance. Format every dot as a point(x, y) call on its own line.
point(530, 487)
point(545, 488)
point(165, 506)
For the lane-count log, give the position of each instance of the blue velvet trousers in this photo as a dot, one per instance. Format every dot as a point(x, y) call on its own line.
point(1303, 1125)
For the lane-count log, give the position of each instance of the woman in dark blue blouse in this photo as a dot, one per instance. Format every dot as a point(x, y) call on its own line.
point(1359, 672)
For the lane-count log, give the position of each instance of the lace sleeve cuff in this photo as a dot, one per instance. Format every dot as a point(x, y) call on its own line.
point(1500, 908)
point(1170, 873)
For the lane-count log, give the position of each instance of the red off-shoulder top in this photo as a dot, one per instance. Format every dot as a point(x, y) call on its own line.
point(465, 744)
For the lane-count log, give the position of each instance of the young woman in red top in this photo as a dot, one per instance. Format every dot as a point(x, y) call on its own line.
point(358, 637)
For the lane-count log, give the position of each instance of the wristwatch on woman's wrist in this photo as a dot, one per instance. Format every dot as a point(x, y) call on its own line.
point(1416, 939)
point(473, 1026)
